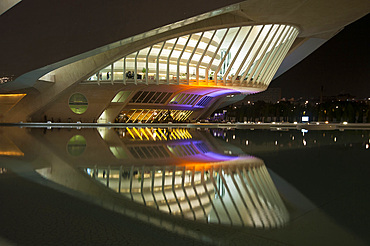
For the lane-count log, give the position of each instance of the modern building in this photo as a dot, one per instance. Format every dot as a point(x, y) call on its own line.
point(271, 95)
point(126, 62)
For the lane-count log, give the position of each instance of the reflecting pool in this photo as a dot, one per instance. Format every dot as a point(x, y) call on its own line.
point(216, 186)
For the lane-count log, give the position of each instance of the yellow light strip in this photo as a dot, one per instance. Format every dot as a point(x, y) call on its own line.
point(137, 132)
point(164, 136)
point(176, 115)
point(131, 115)
point(190, 136)
point(188, 114)
point(142, 110)
point(129, 131)
point(179, 132)
point(12, 95)
point(142, 130)
point(157, 135)
point(150, 133)
point(178, 136)
point(145, 115)
point(151, 116)
point(13, 103)
point(11, 153)
point(161, 116)
point(183, 132)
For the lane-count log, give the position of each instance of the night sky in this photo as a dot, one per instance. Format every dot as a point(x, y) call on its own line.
point(341, 65)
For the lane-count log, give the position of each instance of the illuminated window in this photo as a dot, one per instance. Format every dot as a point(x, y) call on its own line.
point(238, 56)
point(76, 145)
point(121, 96)
point(78, 103)
point(204, 101)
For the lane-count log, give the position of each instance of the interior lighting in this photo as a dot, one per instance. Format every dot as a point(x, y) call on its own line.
point(304, 130)
point(12, 95)
point(11, 153)
point(345, 123)
point(305, 118)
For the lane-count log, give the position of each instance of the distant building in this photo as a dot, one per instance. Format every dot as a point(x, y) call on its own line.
point(271, 95)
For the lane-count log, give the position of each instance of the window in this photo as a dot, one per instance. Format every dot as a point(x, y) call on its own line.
point(204, 101)
point(78, 103)
point(76, 145)
point(121, 96)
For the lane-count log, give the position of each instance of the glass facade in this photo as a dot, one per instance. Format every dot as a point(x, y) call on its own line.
point(152, 115)
point(246, 56)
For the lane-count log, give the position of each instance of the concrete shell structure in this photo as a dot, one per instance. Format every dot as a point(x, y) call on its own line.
point(180, 69)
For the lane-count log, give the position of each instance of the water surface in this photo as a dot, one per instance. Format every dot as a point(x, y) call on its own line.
point(210, 185)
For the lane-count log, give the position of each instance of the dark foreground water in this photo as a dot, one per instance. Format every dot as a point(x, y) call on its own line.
point(150, 186)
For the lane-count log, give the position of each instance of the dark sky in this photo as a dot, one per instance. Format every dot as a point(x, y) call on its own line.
point(341, 65)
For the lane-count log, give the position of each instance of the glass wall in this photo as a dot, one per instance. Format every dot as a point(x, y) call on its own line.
point(152, 115)
point(240, 56)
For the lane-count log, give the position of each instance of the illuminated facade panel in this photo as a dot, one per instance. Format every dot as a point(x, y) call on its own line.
point(244, 56)
point(152, 115)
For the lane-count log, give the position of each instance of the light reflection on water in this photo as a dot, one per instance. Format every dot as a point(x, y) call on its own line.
point(182, 172)
point(206, 175)
point(234, 192)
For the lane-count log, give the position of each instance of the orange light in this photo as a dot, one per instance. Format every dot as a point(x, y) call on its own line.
point(8, 101)
point(12, 95)
point(11, 153)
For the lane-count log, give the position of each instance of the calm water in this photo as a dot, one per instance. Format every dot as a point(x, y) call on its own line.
point(283, 186)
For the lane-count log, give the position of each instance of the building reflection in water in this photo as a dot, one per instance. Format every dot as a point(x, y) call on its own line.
point(175, 178)
point(207, 186)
